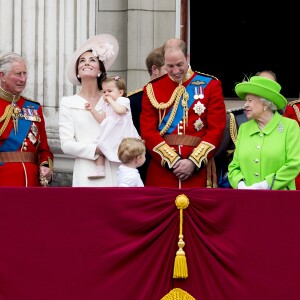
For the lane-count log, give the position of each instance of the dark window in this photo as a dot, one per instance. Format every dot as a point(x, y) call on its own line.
point(231, 42)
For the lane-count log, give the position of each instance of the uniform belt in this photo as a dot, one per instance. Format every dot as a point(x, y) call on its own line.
point(6, 157)
point(186, 140)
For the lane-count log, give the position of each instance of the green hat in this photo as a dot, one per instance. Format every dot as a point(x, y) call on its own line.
point(262, 87)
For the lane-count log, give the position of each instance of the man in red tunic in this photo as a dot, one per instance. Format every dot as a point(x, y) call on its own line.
point(292, 111)
point(155, 67)
point(25, 156)
point(182, 122)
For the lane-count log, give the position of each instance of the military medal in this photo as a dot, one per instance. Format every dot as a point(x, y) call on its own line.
point(31, 114)
point(196, 93)
point(34, 129)
point(32, 138)
point(201, 96)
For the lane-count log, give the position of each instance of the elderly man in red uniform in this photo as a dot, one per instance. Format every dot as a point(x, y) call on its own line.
point(25, 157)
point(182, 122)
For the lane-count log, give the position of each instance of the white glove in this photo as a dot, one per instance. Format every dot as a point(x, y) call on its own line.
point(263, 185)
point(242, 185)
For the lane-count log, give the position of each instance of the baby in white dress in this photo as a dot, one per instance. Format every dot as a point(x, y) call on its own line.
point(116, 122)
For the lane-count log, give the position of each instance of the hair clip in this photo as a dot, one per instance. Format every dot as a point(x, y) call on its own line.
point(117, 78)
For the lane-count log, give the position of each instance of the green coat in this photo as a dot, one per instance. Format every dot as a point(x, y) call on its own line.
point(271, 153)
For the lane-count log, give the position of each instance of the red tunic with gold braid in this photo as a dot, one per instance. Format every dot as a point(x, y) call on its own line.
point(292, 111)
point(182, 121)
point(23, 141)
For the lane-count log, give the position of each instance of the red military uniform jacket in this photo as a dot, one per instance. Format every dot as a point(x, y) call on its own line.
point(182, 121)
point(293, 111)
point(23, 141)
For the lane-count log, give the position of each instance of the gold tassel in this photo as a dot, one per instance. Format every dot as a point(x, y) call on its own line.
point(180, 265)
point(178, 294)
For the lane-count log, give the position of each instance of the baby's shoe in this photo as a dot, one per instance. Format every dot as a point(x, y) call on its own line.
point(99, 173)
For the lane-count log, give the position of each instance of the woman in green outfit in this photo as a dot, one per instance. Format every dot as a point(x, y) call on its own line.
point(267, 150)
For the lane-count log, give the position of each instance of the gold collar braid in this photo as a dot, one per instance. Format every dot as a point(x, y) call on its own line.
point(8, 96)
point(176, 95)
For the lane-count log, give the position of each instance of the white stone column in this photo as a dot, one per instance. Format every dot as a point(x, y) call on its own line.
point(46, 33)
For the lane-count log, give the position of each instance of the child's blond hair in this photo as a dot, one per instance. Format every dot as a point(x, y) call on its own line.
point(130, 148)
point(119, 82)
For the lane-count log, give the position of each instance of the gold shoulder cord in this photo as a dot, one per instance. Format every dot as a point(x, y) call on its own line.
point(232, 127)
point(296, 109)
point(178, 92)
point(6, 116)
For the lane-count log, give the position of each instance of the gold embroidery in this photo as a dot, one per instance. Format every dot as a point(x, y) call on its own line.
point(168, 154)
point(200, 153)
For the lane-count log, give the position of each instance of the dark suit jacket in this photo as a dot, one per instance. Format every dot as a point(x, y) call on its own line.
point(136, 108)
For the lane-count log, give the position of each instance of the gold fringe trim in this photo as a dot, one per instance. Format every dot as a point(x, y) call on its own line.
point(178, 294)
point(180, 265)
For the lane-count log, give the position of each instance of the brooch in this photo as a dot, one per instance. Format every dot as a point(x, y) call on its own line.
point(280, 127)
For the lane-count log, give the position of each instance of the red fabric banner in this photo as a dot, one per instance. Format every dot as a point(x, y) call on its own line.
point(120, 243)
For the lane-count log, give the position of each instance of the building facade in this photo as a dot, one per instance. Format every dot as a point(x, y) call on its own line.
point(47, 32)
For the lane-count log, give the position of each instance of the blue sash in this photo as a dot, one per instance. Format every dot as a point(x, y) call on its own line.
point(190, 89)
point(223, 181)
point(14, 141)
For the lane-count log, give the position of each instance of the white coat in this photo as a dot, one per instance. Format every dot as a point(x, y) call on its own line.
point(78, 131)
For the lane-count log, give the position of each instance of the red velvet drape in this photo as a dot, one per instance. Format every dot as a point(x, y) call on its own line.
point(120, 243)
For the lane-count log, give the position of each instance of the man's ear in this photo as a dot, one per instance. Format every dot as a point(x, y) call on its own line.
point(188, 58)
point(154, 70)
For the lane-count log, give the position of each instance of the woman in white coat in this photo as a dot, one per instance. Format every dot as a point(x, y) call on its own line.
point(78, 130)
